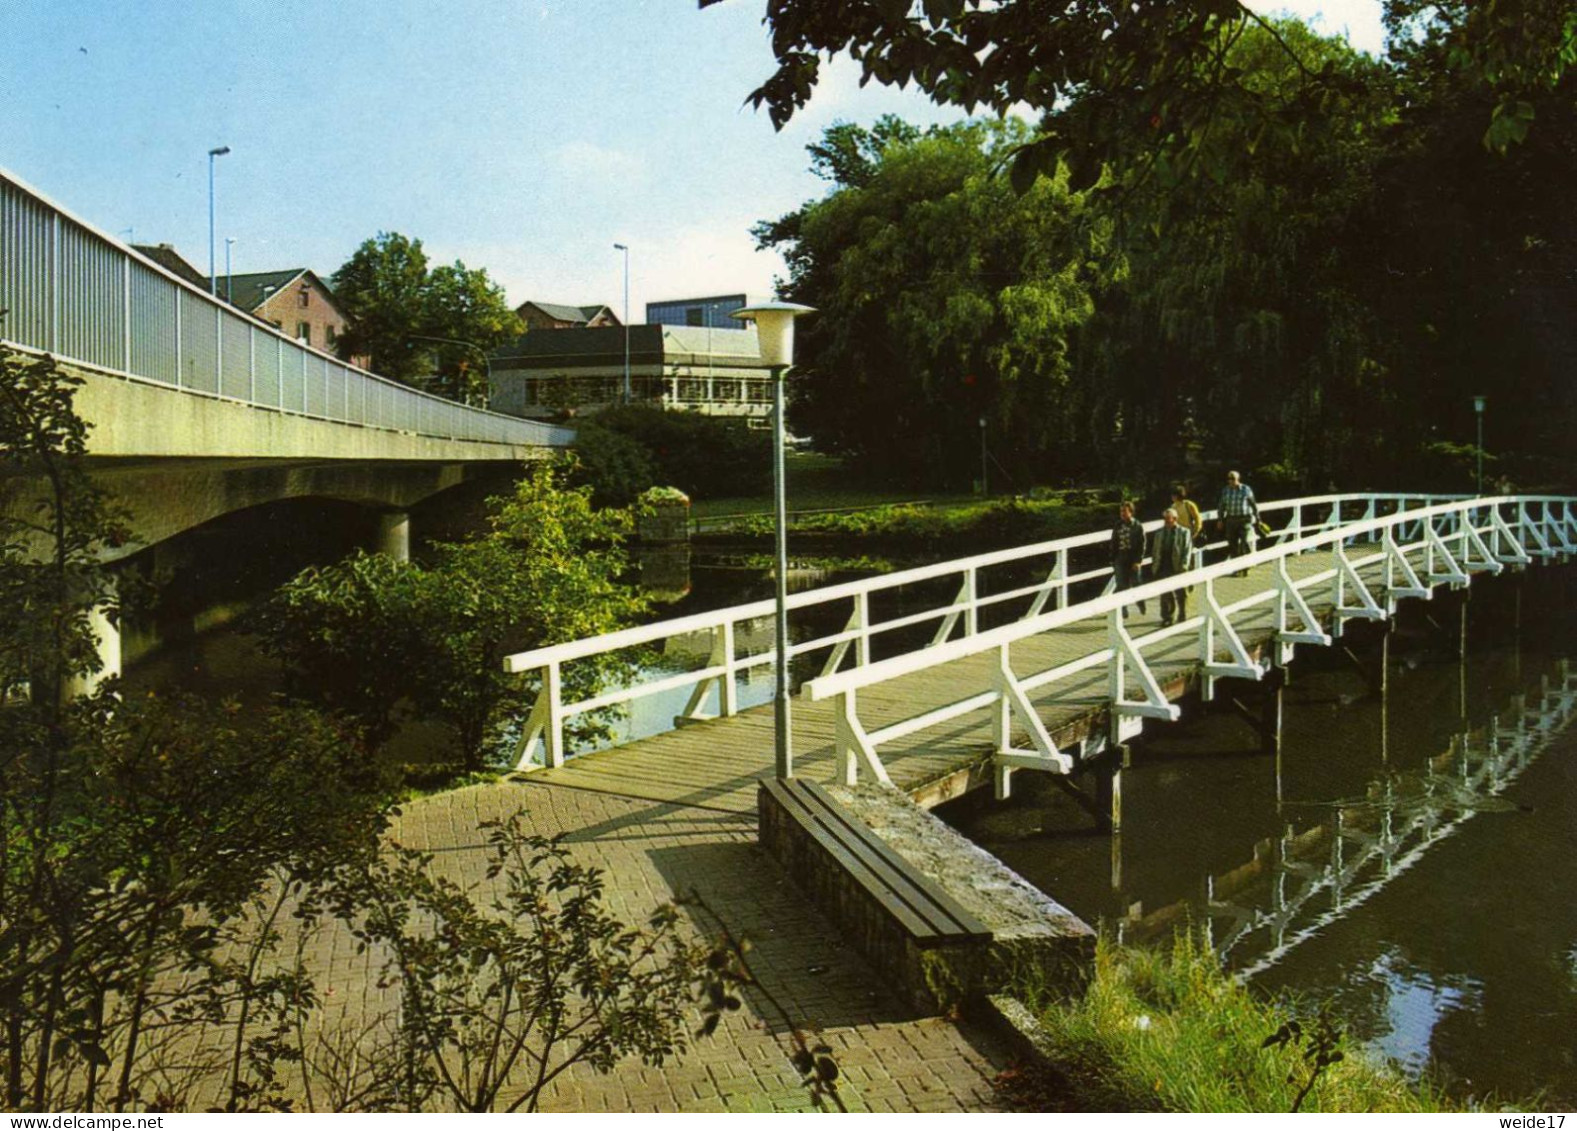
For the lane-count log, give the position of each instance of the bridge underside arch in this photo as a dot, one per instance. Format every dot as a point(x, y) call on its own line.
point(162, 498)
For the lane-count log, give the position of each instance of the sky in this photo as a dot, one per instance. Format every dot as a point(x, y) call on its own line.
point(523, 136)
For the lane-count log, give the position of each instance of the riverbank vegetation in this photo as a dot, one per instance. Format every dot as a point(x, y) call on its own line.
point(167, 864)
point(1168, 1030)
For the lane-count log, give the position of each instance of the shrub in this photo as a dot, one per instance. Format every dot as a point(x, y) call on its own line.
point(703, 456)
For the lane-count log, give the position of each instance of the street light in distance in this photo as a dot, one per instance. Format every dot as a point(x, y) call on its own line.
point(213, 272)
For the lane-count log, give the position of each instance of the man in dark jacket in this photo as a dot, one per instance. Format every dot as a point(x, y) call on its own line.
point(1171, 553)
point(1127, 550)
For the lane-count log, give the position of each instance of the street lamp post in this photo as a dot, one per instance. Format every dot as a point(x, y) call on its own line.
point(985, 488)
point(775, 334)
point(229, 278)
point(625, 248)
point(213, 273)
point(1478, 411)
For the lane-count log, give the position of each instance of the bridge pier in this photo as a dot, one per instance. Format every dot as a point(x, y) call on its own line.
point(107, 644)
point(394, 535)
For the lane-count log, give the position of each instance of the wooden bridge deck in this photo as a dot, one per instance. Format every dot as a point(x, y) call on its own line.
point(716, 764)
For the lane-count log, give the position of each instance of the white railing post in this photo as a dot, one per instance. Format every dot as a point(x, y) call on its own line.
point(971, 609)
point(727, 693)
point(546, 722)
point(862, 618)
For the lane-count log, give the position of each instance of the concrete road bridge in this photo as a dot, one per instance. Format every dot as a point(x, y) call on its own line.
point(199, 410)
point(966, 672)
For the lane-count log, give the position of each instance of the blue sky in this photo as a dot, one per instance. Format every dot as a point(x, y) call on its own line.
point(524, 136)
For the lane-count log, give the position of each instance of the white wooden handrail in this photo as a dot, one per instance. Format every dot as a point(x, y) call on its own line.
point(1324, 514)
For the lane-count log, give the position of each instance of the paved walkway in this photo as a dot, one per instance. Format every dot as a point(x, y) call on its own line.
point(891, 1060)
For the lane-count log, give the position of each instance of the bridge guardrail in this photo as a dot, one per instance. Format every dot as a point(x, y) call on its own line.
point(1067, 565)
point(74, 292)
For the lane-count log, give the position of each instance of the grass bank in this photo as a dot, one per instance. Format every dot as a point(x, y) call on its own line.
point(1166, 1030)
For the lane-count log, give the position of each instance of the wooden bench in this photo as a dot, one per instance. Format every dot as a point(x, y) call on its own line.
point(890, 909)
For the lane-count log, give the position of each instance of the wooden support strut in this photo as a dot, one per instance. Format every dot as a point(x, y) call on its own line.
point(545, 722)
point(1013, 700)
point(1288, 594)
point(1125, 654)
point(1216, 621)
point(1505, 535)
point(1453, 572)
point(1473, 544)
point(1396, 562)
point(852, 745)
point(721, 657)
point(1346, 575)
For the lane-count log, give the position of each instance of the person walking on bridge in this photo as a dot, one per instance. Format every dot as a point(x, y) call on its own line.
point(1171, 554)
point(1188, 516)
point(1237, 508)
point(1127, 550)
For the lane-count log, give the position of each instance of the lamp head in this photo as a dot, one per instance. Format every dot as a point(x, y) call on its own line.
point(1478, 403)
point(774, 328)
point(219, 152)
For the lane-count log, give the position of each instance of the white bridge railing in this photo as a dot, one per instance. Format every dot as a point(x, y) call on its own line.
point(986, 588)
point(69, 290)
point(1408, 553)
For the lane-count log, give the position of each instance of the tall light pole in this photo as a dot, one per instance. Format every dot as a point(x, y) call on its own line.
point(229, 278)
point(1478, 411)
point(775, 334)
point(625, 248)
point(213, 272)
point(985, 488)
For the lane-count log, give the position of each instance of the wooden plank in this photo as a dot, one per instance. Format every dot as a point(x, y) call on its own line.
point(963, 923)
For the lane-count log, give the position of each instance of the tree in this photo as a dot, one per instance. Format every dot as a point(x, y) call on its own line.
point(365, 635)
point(381, 288)
point(944, 297)
point(1153, 76)
point(425, 327)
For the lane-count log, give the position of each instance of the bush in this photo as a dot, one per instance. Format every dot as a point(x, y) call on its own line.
point(703, 456)
point(1169, 1030)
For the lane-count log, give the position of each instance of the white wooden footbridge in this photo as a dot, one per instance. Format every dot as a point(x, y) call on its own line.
point(1017, 659)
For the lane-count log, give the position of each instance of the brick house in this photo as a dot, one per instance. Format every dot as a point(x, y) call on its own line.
point(294, 300)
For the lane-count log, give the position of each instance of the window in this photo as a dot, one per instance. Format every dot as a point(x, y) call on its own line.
point(330, 336)
point(692, 316)
point(304, 298)
point(304, 332)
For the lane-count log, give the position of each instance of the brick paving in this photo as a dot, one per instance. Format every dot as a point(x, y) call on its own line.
point(890, 1059)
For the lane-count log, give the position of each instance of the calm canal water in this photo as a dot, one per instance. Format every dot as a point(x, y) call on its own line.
point(1395, 860)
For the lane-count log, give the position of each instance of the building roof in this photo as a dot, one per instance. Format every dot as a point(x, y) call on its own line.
point(172, 261)
point(252, 290)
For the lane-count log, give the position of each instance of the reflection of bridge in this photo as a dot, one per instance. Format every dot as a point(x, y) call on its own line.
point(1299, 883)
point(1016, 660)
point(198, 409)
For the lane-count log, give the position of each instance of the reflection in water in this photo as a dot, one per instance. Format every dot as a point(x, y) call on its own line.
point(1255, 914)
point(1407, 854)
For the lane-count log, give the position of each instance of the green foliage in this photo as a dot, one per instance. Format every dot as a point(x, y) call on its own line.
point(1168, 1030)
point(503, 990)
point(432, 327)
point(368, 636)
point(1154, 81)
point(943, 297)
point(998, 522)
point(1320, 291)
point(625, 449)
